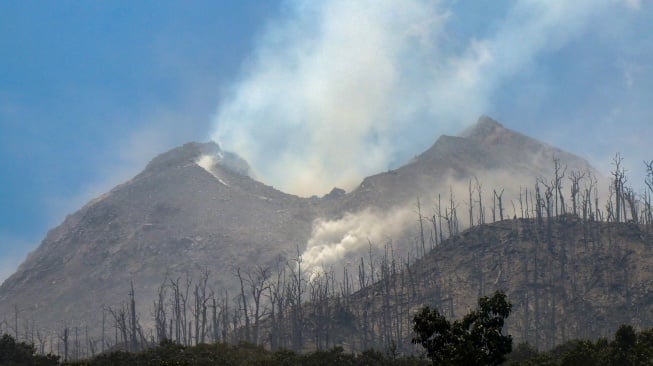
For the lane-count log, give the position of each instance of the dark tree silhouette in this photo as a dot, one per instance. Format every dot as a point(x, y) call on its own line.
point(21, 353)
point(474, 340)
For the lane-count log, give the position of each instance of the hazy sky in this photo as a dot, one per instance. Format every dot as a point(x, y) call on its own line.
point(312, 93)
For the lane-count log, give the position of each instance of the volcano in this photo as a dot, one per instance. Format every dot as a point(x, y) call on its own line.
point(196, 209)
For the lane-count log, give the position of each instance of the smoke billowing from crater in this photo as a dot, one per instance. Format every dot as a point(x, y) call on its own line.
point(338, 90)
point(326, 89)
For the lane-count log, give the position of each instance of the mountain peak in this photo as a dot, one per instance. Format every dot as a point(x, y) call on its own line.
point(484, 128)
point(182, 155)
point(191, 152)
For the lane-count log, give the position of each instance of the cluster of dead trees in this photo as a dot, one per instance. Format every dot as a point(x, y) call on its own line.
point(575, 193)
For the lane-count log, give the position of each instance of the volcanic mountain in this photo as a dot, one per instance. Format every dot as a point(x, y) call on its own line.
point(488, 152)
point(195, 208)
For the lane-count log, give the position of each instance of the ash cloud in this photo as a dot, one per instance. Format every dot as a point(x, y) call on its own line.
point(337, 90)
point(319, 100)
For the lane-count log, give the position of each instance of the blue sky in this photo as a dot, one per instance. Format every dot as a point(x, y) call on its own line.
point(90, 91)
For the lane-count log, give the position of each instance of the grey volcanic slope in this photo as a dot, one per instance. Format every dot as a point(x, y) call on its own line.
point(567, 279)
point(173, 217)
point(178, 217)
point(500, 158)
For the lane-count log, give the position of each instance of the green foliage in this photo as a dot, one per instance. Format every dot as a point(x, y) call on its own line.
point(245, 354)
point(628, 348)
point(474, 340)
point(14, 353)
point(521, 353)
point(581, 353)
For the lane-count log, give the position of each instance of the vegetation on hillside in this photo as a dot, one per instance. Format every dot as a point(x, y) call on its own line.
point(627, 348)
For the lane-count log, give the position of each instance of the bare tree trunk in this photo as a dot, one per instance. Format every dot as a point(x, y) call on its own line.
point(575, 178)
point(481, 211)
point(471, 206)
point(258, 285)
point(617, 183)
point(499, 197)
point(64, 338)
point(649, 184)
point(557, 187)
point(243, 299)
point(132, 313)
point(421, 227)
point(440, 219)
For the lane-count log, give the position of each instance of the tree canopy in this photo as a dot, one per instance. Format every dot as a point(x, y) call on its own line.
point(23, 354)
point(477, 339)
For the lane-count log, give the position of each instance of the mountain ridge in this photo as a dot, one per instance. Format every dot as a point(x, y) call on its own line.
point(179, 216)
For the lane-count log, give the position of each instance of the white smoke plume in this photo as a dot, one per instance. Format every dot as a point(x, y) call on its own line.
point(341, 242)
point(338, 89)
point(334, 240)
point(207, 162)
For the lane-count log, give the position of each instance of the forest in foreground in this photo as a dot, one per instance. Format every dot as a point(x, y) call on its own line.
point(477, 339)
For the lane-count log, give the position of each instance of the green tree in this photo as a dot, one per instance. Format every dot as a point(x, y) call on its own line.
point(623, 346)
point(581, 353)
point(474, 340)
point(20, 353)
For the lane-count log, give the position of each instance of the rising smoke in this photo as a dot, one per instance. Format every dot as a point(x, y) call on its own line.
point(324, 93)
point(350, 236)
point(337, 90)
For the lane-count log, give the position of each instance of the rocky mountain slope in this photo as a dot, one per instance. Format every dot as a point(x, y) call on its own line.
point(485, 159)
point(173, 217)
point(566, 277)
point(195, 208)
point(498, 157)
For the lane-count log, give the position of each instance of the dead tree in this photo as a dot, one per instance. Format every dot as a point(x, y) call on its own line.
point(499, 198)
point(177, 316)
point(421, 228)
point(481, 210)
point(521, 203)
point(619, 176)
point(575, 177)
point(439, 213)
point(200, 307)
point(295, 292)
point(471, 205)
point(65, 338)
point(160, 316)
point(184, 297)
point(132, 317)
point(434, 232)
point(630, 200)
point(451, 216)
point(224, 312)
point(243, 302)
point(16, 312)
point(103, 329)
point(258, 283)
point(609, 206)
point(559, 174)
point(120, 325)
point(539, 203)
point(276, 298)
